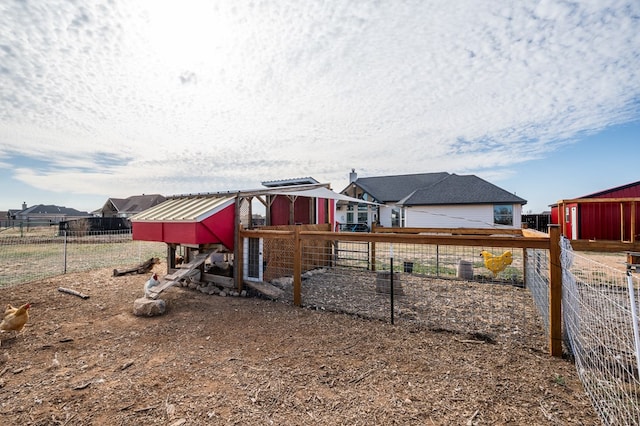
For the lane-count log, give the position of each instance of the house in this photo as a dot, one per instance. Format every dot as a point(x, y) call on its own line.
point(608, 215)
point(127, 207)
point(41, 214)
point(430, 200)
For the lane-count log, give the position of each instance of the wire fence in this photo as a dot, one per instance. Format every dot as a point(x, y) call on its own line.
point(444, 288)
point(601, 332)
point(43, 253)
point(497, 298)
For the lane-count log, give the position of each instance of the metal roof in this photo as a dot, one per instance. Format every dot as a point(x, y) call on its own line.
point(188, 209)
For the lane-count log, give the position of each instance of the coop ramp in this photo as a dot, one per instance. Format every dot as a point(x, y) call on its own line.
point(177, 276)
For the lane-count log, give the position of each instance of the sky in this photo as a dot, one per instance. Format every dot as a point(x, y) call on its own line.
point(113, 98)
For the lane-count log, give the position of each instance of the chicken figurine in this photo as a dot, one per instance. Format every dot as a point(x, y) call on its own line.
point(152, 282)
point(14, 319)
point(496, 264)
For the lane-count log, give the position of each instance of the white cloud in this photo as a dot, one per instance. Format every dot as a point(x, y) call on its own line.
point(198, 96)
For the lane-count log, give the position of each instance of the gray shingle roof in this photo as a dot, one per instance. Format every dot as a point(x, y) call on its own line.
point(387, 189)
point(436, 189)
point(136, 203)
point(52, 209)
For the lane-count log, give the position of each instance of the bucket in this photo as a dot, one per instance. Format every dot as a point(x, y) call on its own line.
point(465, 270)
point(408, 267)
point(383, 282)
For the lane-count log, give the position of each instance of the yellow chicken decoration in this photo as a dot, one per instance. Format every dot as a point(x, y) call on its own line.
point(496, 264)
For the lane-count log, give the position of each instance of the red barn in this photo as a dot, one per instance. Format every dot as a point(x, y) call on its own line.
point(609, 215)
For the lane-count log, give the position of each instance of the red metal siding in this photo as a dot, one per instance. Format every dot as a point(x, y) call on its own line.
point(221, 226)
point(217, 228)
point(301, 213)
point(280, 211)
point(628, 192)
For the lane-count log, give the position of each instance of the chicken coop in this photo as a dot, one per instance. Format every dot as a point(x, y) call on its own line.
point(193, 225)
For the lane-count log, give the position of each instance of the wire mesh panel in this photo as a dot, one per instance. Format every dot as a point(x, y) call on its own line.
point(598, 310)
point(537, 281)
point(46, 253)
point(423, 284)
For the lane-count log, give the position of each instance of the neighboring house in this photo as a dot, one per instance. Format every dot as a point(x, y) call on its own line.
point(46, 214)
point(430, 200)
point(610, 215)
point(127, 207)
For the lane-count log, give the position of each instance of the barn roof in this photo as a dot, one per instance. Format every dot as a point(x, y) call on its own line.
point(185, 209)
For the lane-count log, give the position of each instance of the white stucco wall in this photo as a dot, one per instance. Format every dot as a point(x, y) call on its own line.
point(458, 216)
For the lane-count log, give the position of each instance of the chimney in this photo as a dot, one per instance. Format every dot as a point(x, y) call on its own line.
point(24, 205)
point(353, 176)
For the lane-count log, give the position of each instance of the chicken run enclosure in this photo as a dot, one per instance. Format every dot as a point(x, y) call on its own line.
point(433, 280)
point(545, 298)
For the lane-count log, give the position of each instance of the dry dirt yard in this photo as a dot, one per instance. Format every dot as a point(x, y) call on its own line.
point(232, 360)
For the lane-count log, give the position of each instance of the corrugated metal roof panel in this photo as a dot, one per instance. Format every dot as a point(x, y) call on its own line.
point(183, 209)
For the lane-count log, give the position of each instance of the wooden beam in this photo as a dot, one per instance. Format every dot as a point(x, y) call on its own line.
point(599, 200)
point(555, 292)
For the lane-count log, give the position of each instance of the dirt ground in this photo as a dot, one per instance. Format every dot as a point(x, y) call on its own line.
point(235, 360)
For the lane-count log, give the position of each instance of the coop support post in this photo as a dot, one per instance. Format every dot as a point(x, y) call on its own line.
point(555, 292)
point(297, 268)
point(238, 261)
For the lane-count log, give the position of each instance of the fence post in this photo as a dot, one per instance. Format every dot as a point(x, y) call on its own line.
point(297, 267)
point(64, 252)
point(555, 292)
point(372, 259)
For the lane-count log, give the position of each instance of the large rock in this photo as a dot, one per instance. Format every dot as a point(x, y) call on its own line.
point(144, 307)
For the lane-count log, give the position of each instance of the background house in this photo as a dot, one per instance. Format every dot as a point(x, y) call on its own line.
point(430, 200)
point(127, 207)
point(610, 215)
point(41, 214)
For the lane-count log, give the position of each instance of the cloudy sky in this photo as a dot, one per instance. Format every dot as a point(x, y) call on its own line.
point(112, 98)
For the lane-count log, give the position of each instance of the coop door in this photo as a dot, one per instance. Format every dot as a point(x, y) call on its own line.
point(253, 268)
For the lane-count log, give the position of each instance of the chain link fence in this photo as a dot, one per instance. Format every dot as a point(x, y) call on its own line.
point(45, 252)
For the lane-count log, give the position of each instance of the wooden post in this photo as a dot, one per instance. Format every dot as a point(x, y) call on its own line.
point(555, 292)
point(238, 261)
point(525, 262)
point(373, 256)
point(297, 268)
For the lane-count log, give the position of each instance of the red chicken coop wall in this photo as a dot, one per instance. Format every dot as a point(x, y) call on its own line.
point(217, 228)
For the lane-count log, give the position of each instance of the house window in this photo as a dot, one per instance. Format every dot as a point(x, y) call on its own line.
point(567, 217)
point(350, 213)
point(363, 214)
point(395, 218)
point(503, 214)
